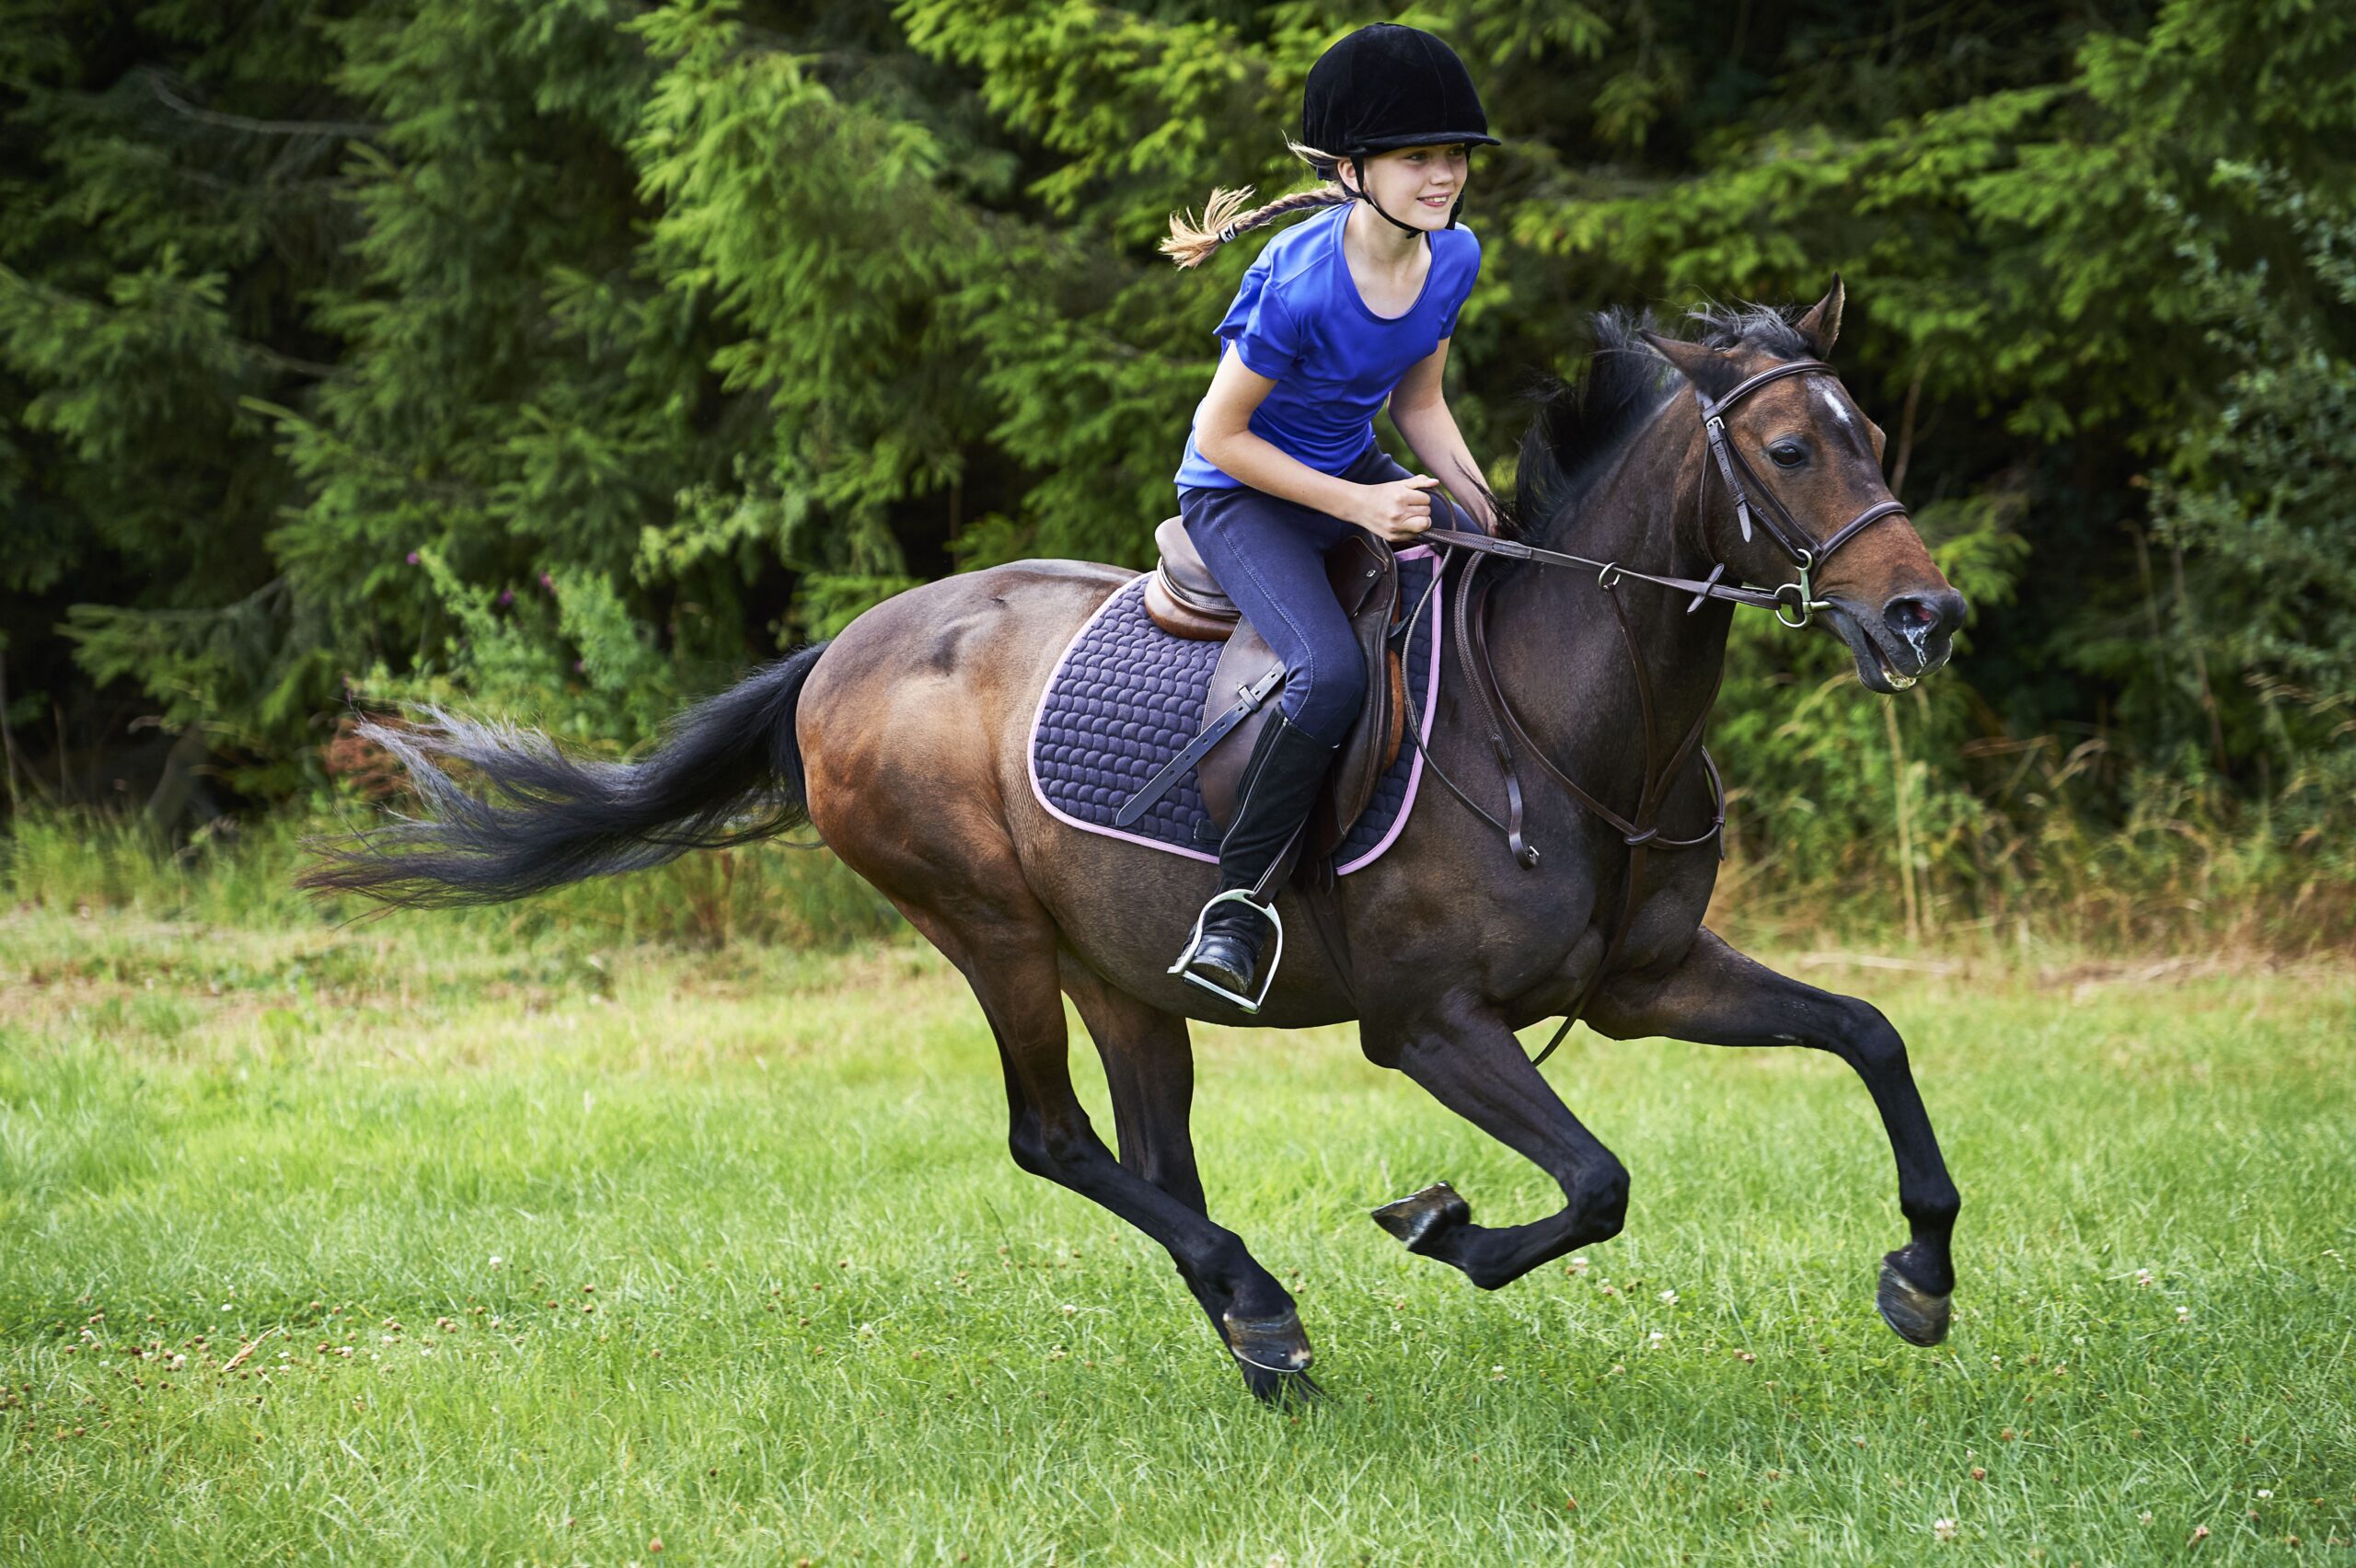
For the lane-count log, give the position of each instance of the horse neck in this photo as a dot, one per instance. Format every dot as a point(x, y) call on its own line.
point(1556, 645)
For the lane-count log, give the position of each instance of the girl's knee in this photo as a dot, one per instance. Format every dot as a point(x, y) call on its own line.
point(1329, 702)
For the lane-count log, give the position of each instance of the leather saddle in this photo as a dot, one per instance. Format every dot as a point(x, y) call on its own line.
point(1185, 600)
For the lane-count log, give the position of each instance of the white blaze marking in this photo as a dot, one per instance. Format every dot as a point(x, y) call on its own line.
point(1833, 401)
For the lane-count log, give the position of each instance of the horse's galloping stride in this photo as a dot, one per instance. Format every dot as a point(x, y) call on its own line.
point(1540, 883)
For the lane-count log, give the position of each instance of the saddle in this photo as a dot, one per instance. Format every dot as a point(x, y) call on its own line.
point(1185, 600)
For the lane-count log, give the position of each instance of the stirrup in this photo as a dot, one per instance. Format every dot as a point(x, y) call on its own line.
point(1194, 944)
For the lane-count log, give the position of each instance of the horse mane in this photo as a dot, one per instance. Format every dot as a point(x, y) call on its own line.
point(1579, 428)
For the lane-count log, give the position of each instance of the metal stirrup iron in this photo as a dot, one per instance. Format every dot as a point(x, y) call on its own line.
point(1194, 944)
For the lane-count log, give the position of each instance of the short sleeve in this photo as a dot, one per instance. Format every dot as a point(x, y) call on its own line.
point(1269, 338)
point(1465, 271)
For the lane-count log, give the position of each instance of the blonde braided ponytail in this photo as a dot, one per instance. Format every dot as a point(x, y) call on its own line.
point(1191, 241)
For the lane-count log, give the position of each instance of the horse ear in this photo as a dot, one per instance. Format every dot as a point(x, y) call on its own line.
point(1710, 369)
point(1822, 324)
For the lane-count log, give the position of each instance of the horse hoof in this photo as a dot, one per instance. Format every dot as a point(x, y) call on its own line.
point(1918, 1317)
point(1277, 1344)
point(1283, 1390)
point(1419, 1218)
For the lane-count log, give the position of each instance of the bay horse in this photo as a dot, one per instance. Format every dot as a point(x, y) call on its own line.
point(1683, 469)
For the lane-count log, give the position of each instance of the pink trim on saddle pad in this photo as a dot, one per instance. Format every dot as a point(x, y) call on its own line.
point(1431, 708)
point(1415, 771)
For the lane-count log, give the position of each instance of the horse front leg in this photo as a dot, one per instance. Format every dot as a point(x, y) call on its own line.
point(1714, 996)
point(1471, 1064)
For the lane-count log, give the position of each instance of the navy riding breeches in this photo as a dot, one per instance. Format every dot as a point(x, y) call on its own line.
point(1269, 554)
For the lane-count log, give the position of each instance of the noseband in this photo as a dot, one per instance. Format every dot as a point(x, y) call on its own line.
point(1793, 604)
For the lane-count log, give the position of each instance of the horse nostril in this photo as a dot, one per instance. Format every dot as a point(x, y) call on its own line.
point(1919, 616)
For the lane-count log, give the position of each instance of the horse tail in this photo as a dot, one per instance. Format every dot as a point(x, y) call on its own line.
point(729, 771)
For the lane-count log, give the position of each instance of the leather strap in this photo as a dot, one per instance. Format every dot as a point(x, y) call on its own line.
point(1415, 719)
point(1250, 698)
point(1711, 587)
point(1325, 913)
point(1641, 832)
point(1472, 654)
point(1782, 526)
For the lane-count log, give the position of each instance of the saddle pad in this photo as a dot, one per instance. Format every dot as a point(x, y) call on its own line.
point(1126, 696)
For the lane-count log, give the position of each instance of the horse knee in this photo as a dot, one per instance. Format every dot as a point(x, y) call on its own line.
point(1869, 1040)
point(1070, 1147)
point(1603, 1202)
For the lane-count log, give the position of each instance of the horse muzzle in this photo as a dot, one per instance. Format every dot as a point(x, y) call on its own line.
point(1912, 635)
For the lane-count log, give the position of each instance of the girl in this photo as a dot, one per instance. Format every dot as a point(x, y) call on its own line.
point(1336, 315)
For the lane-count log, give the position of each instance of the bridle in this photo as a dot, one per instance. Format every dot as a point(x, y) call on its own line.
point(1781, 525)
point(1792, 603)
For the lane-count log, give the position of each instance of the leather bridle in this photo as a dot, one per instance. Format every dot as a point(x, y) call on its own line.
point(1807, 552)
point(1781, 525)
point(1793, 604)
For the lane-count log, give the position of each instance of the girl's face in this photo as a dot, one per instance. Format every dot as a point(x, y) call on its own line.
point(1418, 185)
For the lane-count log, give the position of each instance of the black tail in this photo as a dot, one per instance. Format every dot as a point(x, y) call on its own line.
point(730, 771)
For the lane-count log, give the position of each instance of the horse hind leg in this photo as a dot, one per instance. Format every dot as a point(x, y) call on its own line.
point(1004, 944)
point(1150, 1070)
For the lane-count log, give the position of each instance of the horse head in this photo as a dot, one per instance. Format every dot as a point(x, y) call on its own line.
point(1792, 468)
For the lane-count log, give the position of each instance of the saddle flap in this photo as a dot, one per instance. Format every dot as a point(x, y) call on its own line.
point(1365, 576)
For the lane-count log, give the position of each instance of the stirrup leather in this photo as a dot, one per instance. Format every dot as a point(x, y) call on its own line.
point(1194, 943)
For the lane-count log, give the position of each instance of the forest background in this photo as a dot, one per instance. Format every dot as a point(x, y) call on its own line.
point(560, 358)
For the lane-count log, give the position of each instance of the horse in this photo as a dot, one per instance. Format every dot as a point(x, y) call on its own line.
point(902, 742)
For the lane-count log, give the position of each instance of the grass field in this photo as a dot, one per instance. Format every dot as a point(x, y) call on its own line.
point(403, 1244)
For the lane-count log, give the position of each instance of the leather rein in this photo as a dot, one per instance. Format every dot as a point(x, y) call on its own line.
point(1793, 604)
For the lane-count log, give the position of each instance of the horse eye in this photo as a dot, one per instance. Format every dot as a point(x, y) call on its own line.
point(1788, 454)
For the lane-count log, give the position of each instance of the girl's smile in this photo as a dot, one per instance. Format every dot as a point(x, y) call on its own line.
point(1418, 182)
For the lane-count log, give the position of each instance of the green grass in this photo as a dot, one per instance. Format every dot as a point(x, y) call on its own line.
point(826, 1318)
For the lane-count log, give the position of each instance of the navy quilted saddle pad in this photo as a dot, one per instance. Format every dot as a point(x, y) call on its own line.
point(1126, 696)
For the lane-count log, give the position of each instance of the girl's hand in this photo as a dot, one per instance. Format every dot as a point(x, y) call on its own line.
point(1396, 511)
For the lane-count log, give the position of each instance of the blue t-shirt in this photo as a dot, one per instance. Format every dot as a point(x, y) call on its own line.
point(1300, 320)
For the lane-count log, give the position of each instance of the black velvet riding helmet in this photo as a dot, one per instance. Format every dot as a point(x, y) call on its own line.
point(1385, 86)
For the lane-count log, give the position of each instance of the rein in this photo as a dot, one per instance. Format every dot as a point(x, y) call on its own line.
point(1794, 606)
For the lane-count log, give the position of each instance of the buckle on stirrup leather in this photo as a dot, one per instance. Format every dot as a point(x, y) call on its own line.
point(1194, 944)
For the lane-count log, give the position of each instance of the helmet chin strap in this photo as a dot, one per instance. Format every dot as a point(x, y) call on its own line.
point(1366, 195)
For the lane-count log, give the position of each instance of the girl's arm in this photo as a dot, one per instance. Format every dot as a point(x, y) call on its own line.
point(1420, 412)
point(1396, 511)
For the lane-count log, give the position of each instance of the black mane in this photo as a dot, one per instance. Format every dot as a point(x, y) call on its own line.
point(1579, 428)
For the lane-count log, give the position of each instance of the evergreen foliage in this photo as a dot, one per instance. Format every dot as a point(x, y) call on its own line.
point(569, 356)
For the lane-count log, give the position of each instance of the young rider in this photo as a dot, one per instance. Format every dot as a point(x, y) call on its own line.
point(1337, 314)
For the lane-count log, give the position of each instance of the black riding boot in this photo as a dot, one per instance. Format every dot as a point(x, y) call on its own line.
point(1273, 800)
